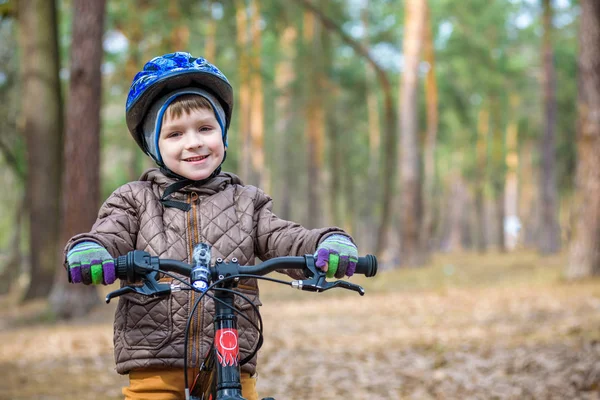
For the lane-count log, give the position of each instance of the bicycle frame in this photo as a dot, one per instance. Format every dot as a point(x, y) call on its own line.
point(220, 372)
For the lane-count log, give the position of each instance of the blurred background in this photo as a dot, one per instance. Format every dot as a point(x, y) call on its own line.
point(459, 141)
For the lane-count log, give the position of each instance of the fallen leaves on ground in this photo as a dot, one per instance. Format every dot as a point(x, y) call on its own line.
point(537, 341)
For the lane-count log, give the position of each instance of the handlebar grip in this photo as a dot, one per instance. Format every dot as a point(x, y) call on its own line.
point(121, 267)
point(133, 265)
point(367, 265)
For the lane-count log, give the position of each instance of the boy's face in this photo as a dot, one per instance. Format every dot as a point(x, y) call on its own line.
point(191, 145)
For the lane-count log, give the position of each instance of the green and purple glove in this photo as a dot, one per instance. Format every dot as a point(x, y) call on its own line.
point(90, 263)
point(337, 255)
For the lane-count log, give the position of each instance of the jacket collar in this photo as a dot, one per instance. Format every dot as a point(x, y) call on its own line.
point(215, 185)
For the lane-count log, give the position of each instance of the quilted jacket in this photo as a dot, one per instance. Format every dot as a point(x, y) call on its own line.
point(236, 220)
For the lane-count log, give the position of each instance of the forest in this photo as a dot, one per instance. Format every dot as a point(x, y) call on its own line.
point(458, 141)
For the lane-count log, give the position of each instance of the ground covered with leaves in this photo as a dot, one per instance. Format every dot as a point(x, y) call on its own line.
point(465, 327)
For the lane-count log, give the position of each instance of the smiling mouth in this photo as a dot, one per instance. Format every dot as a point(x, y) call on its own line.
point(197, 158)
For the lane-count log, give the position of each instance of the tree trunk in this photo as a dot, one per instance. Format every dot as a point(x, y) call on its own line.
point(11, 150)
point(241, 16)
point(431, 101)
point(328, 91)
point(528, 188)
point(82, 148)
point(456, 207)
point(481, 154)
point(284, 78)
point(511, 198)
point(338, 194)
point(584, 255)
point(369, 224)
point(133, 30)
point(11, 139)
point(12, 265)
point(210, 41)
point(315, 120)
point(500, 215)
point(42, 115)
point(497, 171)
point(389, 172)
point(549, 234)
point(412, 252)
point(372, 107)
point(180, 33)
point(259, 173)
point(176, 34)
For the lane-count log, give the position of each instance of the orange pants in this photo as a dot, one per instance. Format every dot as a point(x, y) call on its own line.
point(168, 384)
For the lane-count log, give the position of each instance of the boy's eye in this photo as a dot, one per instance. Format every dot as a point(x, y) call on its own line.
point(173, 134)
point(205, 128)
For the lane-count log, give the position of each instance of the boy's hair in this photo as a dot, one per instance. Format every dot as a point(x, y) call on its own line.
point(187, 103)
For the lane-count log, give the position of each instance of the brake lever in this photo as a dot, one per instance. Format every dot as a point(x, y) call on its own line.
point(318, 282)
point(150, 288)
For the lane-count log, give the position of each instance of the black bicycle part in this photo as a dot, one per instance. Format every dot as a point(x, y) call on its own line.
point(139, 265)
point(227, 360)
point(224, 310)
point(136, 264)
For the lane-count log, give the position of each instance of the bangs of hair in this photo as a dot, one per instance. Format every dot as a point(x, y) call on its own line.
point(187, 103)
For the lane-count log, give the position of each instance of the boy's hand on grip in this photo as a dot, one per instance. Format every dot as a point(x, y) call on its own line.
point(90, 263)
point(337, 255)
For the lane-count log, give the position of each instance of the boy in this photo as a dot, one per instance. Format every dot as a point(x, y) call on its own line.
point(178, 111)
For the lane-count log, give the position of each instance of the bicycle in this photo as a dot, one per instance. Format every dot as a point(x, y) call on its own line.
point(219, 377)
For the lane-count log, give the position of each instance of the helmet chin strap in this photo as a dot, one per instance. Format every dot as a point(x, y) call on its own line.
point(182, 182)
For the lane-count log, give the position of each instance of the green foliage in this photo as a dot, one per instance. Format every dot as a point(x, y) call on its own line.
point(12, 145)
point(485, 52)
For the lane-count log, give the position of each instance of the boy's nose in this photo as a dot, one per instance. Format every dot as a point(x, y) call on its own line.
point(193, 141)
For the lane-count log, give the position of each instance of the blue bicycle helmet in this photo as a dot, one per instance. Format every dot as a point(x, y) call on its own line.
point(170, 73)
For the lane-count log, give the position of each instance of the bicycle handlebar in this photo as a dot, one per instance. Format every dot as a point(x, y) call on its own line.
point(137, 265)
point(365, 266)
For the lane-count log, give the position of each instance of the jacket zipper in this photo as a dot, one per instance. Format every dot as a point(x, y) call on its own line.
point(193, 240)
point(197, 322)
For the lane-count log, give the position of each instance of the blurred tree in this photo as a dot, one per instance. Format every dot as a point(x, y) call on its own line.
point(389, 169)
point(430, 142)
point(259, 170)
point(483, 128)
point(243, 64)
point(178, 37)
point(41, 108)
point(8, 9)
point(497, 168)
point(484, 53)
point(372, 106)
point(456, 204)
point(528, 193)
point(82, 148)
point(584, 256)
point(410, 206)
point(132, 28)
point(512, 173)
point(314, 121)
point(285, 75)
point(549, 229)
point(12, 151)
point(210, 40)
point(341, 206)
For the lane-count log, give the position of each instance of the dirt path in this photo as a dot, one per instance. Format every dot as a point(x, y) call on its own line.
point(494, 343)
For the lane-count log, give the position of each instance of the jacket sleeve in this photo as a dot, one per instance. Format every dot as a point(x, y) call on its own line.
point(276, 237)
point(117, 224)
